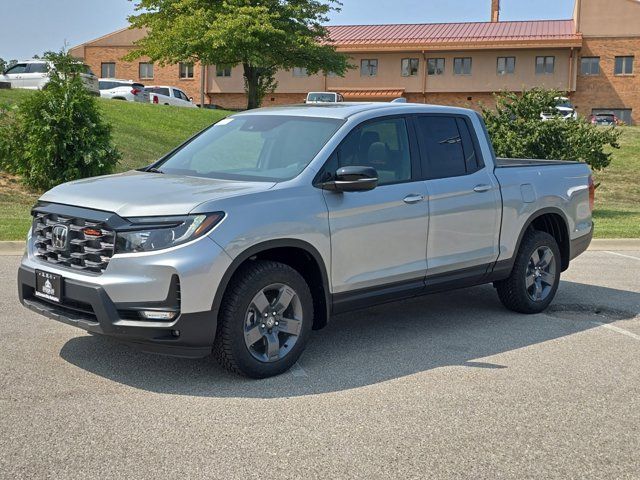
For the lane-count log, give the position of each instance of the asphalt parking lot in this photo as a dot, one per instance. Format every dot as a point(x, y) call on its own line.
point(446, 386)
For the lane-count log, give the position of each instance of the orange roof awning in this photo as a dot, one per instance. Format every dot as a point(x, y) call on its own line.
point(371, 93)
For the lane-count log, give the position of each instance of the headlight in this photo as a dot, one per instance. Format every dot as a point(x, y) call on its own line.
point(154, 233)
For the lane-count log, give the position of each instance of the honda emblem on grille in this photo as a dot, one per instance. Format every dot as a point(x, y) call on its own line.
point(59, 237)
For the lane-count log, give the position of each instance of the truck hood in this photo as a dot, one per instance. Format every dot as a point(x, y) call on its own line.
point(137, 194)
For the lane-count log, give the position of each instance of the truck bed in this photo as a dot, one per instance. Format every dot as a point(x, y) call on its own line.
point(529, 162)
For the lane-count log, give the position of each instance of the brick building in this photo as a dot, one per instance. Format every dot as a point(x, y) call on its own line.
point(591, 56)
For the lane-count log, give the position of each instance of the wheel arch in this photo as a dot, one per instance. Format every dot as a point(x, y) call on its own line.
point(298, 254)
point(553, 221)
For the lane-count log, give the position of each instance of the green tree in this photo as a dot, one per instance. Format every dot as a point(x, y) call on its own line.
point(57, 134)
point(261, 35)
point(517, 131)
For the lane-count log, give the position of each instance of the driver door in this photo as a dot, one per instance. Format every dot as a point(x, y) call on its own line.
point(378, 237)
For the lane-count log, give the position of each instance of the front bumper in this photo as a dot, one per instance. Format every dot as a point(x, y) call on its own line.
point(88, 306)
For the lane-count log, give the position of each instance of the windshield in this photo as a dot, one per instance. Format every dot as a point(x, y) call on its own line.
point(253, 147)
point(321, 97)
point(564, 104)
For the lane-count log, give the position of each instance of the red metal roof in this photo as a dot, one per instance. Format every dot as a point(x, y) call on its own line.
point(443, 33)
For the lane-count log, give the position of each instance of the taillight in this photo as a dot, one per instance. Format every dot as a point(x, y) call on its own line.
point(593, 120)
point(135, 91)
point(592, 193)
point(155, 99)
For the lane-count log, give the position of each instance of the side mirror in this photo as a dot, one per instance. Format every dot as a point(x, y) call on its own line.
point(353, 179)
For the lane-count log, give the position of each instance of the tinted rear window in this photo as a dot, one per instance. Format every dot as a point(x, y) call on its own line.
point(108, 84)
point(161, 91)
point(441, 144)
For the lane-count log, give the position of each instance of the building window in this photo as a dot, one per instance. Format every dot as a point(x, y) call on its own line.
point(624, 66)
point(435, 66)
point(506, 65)
point(545, 65)
point(186, 70)
point(223, 70)
point(146, 70)
point(590, 65)
point(409, 67)
point(332, 74)
point(462, 66)
point(300, 72)
point(368, 67)
point(108, 70)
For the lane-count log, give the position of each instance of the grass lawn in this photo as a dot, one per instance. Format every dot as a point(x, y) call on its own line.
point(617, 213)
point(144, 132)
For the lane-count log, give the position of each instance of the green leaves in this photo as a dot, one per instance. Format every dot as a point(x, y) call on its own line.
point(57, 134)
point(517, 131)
point(261, 35)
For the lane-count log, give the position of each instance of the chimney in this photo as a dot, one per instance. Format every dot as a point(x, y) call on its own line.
point(495, 10)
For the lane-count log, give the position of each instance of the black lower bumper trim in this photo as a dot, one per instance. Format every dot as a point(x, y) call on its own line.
point(580, 244)
point(196, 330)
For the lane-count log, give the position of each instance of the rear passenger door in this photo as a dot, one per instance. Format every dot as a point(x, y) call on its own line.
point(464, 198)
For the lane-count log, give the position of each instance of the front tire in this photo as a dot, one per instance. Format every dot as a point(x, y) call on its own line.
point(535, 277)
point(265, 320)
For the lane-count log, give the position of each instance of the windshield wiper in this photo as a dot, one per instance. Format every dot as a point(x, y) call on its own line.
point(153, 170)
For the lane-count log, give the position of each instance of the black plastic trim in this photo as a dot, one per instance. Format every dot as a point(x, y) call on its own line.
point(263, 247)
point(197, 330)
point(580, 244)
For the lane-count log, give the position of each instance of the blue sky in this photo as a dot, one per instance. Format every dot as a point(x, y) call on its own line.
point(30, 27)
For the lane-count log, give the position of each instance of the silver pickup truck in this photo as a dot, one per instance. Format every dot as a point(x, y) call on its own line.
point(257, 230)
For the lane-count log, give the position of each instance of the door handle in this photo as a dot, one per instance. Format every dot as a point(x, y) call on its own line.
point(413, 198)
point(481, 188)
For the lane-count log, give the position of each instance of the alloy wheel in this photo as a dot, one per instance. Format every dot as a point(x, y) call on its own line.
point(273, 322)
point(540, 274)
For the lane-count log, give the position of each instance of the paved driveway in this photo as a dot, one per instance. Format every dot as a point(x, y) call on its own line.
point(446, 386)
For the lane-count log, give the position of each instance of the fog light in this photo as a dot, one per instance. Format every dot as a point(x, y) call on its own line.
point(157, 315)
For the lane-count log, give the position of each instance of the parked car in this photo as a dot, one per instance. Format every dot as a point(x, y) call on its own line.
point(165, 95)
point(34, 75)
point(257, 230)
point(324, 97)
point(128, 90)
point(564, 110)
point(604, 118)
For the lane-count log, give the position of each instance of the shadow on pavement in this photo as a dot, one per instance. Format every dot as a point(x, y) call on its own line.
point(371, 346)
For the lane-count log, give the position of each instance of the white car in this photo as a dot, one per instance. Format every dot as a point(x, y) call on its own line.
point(166, 95)
point(324, 97)
point(128, 90)
point(564, 110)
point(34, 75)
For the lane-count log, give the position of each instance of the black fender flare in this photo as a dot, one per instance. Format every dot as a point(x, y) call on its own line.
point(505, 266)
point(263, 247)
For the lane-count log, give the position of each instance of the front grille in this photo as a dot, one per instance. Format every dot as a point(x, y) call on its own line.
point(89, 253)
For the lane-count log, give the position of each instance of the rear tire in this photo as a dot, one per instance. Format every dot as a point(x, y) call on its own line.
point(265, 320)
point(535, 277)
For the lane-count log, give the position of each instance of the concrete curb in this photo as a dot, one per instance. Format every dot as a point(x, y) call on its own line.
point(619, 244)
point(12, 248)
point(598, 244)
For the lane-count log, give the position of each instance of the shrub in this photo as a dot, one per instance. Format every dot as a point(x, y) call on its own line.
point(517, 131)
point(57, 134)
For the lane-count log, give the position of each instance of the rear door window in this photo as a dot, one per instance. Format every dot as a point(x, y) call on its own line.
point(446, 146)
point(37, 67)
